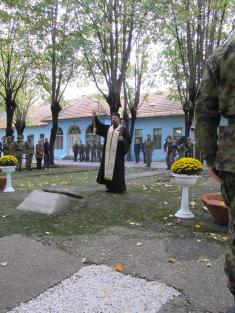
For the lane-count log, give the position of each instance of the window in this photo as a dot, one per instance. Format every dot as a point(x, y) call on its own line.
point(157, 138)
point(221, 131)
point(59, 139)
point(139, 134)
point(177, 133)
point(31, 136)
point(90, 137)
point(41, 136)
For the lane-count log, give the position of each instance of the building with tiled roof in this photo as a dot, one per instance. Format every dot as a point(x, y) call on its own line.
point(157, 116)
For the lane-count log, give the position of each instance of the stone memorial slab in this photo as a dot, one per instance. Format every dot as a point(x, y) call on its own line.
point(45, 202)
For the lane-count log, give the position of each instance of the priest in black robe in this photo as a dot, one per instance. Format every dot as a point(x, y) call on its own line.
point(116, 144)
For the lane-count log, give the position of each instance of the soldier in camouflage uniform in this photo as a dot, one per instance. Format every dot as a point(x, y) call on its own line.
point(148, 150)
point(215, 99)
point(19, 152)
point(29, 152)
point(9, 147)
point(170, 152)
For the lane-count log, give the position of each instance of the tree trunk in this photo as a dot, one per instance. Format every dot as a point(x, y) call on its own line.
point(114, 101)
point(10, 109)
point(131, 128)
point(55, 110)
point(188, 117)
point(20, 126)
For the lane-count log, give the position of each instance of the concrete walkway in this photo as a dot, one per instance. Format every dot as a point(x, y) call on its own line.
point(128, 164)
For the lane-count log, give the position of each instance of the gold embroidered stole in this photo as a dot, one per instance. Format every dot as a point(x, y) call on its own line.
point(110, 151)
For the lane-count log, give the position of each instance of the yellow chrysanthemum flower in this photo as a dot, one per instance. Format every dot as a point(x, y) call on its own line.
point(8, 160)
point(188, 166)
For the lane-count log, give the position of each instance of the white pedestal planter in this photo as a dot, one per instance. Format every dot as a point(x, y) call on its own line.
point(185, 181)
point(8, 170)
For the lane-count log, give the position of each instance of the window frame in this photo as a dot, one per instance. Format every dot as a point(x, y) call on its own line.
point(176, 137)
point(59, 140)
point(157, 139)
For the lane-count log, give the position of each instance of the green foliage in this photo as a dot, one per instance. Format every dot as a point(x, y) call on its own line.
point(191, 31)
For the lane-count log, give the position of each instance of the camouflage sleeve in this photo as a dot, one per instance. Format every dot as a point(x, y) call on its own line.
point(207, 114)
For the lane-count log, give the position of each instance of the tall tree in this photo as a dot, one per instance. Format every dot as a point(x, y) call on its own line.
point(108, 30)
point(14, 61)
point(139, 79)
point(56, 47)
point(193, 28)
point(26, 97)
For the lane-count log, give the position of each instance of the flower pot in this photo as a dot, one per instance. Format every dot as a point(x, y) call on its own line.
point(8, 170)
point(185, 181)
point(216, 206)
point(3, 181)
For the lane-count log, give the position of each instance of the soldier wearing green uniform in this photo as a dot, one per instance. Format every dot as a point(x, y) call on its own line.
point(148, 150)
point(19, 152)
point(170, 151)
point(215, 99)
point(9, 147)
point(29, 152)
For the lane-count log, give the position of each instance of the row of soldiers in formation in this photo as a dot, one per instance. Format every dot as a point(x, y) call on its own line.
point(90, 152)
point(26, 149)
point(183, 147)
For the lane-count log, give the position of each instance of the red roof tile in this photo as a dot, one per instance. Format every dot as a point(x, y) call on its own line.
point(155, 106)
point(35, 116)
point(82, 108)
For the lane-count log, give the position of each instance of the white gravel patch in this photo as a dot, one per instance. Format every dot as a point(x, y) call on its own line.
point(98, 289)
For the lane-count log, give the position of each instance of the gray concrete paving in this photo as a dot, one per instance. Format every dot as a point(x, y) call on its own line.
point(32, 267)
point(28, 268)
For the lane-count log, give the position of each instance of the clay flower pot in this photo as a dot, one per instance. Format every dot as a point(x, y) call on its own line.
point(216, 206)
point(3, 181)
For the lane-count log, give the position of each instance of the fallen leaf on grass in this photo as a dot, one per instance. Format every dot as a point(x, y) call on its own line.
point(203, 258)
point(165, 202)
point(197, 226)
point(119, 267)
point(3, 264)
point(172, 260)
point(218, 237)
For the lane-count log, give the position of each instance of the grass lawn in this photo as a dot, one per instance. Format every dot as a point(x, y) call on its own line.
point(149, 204)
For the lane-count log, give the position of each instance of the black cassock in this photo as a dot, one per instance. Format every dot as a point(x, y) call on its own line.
point(117, 184)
